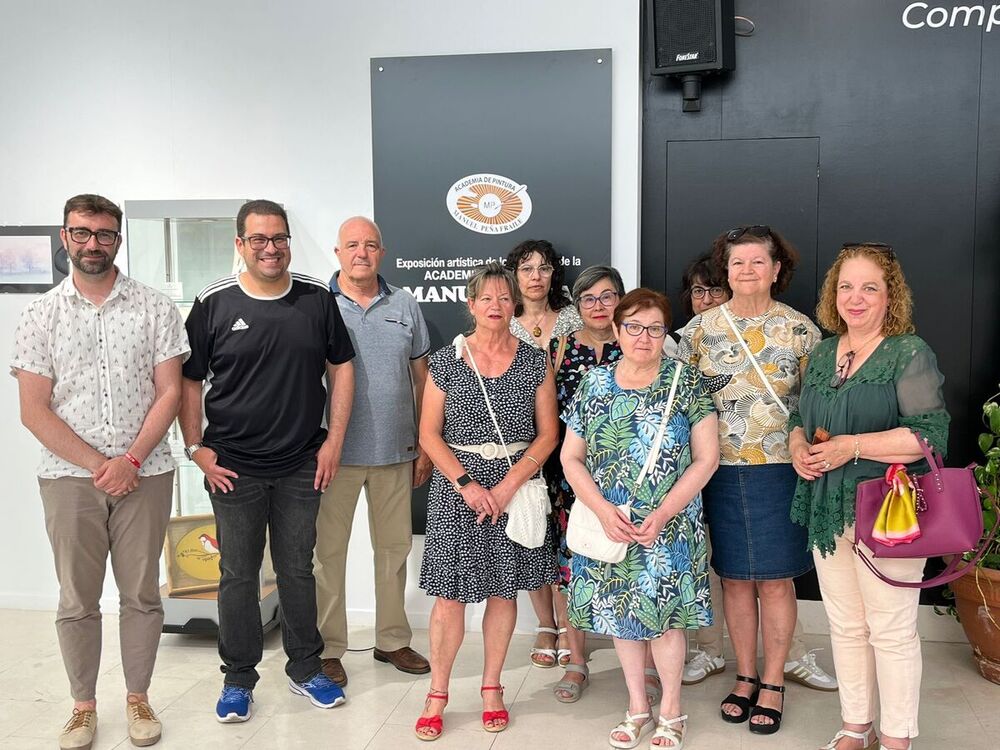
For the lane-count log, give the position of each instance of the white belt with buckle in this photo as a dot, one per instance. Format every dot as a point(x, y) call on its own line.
point(490, 451)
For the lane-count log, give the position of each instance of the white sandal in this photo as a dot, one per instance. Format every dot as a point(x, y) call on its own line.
point(632, 728)
point(867, 736)
point(654, 693)
point(562, 654)
point(549, 652)
point(665, 731)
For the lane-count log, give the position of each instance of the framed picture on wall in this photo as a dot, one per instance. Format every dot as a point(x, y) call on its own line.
point(192, 555)
point(32, 259)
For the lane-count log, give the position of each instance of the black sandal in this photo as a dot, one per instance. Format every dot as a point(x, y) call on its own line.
point(745, 704)
point(768, 713)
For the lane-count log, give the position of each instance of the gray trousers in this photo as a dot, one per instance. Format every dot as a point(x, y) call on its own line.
point(84, 525)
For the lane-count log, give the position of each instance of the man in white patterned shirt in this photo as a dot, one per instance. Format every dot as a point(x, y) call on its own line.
point(98, 364)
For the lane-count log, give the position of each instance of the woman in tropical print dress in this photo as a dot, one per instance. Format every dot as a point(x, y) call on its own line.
point(661, 586)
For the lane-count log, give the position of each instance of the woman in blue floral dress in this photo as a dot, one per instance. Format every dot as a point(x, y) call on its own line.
point(661, 586)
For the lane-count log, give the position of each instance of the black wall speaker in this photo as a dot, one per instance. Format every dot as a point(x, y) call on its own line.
point(692, 36)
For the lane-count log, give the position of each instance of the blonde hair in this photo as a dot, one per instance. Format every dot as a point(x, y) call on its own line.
point(898, 314)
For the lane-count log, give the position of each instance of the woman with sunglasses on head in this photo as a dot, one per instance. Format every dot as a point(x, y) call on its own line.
point(870, 388)
point(751, 352)
point(544, 314)
point(642, 433)
point(595, 294)
point(704, 288)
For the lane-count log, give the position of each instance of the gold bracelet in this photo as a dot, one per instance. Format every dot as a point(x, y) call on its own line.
point(857, 449)
point(533, 459)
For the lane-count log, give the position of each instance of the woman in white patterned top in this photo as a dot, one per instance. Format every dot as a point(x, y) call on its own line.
point(544, 313)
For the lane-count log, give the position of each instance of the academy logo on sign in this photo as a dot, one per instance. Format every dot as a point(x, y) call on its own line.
point(489, 203)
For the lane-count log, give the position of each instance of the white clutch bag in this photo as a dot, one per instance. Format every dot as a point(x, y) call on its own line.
point(585, 535)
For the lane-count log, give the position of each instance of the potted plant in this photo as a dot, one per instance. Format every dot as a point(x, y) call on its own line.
point(977, 593)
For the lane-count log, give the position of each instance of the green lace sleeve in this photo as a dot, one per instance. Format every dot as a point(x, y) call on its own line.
point(919, 391)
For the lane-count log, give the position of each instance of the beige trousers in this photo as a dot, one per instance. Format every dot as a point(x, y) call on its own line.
point(710, 640)
point(84, 525)
point(873, 632)
point(388, 489)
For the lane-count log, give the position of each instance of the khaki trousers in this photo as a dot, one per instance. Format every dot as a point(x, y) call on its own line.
point(84, 525)
point(873, 633)
point(388, 490)
point(710, 639)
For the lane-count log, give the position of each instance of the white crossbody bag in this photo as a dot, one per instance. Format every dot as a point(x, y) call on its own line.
point(528, 509)
point(584, 532)
point(753, 360)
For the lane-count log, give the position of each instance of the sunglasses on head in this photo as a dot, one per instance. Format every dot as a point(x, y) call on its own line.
point(754, 230)
point(879, 247)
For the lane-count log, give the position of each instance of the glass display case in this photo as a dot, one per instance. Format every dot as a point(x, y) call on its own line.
point(179, 247)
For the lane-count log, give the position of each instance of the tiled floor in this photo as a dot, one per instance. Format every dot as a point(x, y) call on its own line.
point(960, 710)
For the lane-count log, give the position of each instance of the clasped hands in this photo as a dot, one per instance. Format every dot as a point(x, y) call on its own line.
point(488, 503)
point(116, 476)
point(618, 528)
point(812, 461)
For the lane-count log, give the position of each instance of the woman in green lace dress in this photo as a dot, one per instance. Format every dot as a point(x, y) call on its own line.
point(872, 387)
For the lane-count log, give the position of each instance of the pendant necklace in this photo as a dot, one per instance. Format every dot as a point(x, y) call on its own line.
point(537, 330)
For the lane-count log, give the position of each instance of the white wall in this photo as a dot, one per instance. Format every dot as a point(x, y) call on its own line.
point(242, 99)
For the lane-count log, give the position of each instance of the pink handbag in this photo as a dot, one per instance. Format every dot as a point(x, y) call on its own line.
point(950, 514)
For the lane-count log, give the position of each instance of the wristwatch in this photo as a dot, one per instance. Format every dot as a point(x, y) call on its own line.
point(190, 449)
point(462, 482)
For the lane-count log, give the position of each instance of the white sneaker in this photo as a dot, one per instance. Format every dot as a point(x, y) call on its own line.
point(806, 671)
point(701, 666)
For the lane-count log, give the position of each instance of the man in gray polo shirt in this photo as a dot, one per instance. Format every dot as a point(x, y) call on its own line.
point(380, 450)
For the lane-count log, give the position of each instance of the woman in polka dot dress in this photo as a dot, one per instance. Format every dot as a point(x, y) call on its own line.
point(468, 557)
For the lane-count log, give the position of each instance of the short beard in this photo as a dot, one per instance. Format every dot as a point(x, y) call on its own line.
point(95, 266)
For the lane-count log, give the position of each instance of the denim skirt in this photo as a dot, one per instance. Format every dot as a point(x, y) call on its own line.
point(747, 509)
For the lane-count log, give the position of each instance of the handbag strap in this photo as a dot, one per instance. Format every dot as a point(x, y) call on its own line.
point(655, 447)
point(753, 360)
point(949, 574)
point(459, 343)
point(560, 351)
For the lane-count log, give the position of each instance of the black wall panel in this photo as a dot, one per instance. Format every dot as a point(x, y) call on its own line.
point(907, 120)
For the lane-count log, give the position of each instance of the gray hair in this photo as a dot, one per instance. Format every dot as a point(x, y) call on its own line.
point(590, 276)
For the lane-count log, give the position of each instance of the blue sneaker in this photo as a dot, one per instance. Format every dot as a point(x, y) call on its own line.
point(234, 704)
point(321, 691)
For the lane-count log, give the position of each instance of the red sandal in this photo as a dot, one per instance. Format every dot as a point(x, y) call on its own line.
point(431, 722)
point(495, 716)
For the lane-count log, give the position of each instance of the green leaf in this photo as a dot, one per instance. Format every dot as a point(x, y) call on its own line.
point(994, 417)
point(982, 476)
point(985, 441)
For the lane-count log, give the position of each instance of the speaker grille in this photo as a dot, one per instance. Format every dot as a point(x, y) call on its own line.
point(684, 32)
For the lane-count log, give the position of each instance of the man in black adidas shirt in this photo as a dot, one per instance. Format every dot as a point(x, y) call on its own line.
point(263, 341)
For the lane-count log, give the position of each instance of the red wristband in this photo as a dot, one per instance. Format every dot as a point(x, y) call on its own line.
point(133, 460)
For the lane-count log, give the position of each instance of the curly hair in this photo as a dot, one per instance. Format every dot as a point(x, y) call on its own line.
point(781, 251)
point(898, 314)
point(557, 297)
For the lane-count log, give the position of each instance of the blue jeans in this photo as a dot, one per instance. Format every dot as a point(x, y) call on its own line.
point(288, 507)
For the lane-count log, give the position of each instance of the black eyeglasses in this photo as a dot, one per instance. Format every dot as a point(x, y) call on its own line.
point(655, 331)
point(754, 230)
point(260, 241)
point(82, 235)
point(879, 247)
point(715, 292)
point(607, 299)
point(842, 371)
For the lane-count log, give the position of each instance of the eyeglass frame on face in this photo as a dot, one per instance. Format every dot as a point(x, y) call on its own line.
point(715, 292)
point(878, 247)
point(284, 239)
point(93, 233)
point(638, 328)
point(759, 231)
point(587, 301)
point(543, 270)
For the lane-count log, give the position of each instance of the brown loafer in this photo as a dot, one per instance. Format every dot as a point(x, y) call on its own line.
point(404, 659)
point(333, 669)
